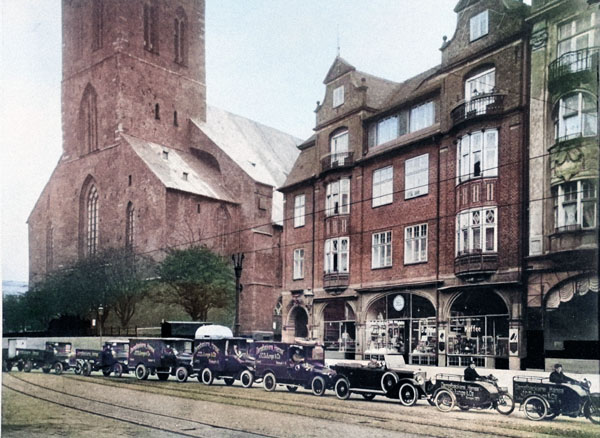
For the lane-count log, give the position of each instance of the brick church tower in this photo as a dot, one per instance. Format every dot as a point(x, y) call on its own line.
point(146, 164)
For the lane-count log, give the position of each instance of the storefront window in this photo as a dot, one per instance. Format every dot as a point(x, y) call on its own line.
point(339, 332)
point(402, 323)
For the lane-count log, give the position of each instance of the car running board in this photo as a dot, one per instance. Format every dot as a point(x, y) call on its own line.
point(369, 391)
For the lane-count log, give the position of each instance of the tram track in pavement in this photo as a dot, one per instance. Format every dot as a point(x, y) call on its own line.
point(417, 423)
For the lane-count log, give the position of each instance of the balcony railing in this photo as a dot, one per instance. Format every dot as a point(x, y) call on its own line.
point(573, 62)
point(475, 263)
point(336, 281)
point(482, 105)
point(336, 160)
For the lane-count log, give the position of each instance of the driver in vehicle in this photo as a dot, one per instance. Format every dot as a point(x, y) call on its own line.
point(471, 374)
point(557, 376)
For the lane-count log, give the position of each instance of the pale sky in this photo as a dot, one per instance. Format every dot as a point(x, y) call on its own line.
point(266, 60)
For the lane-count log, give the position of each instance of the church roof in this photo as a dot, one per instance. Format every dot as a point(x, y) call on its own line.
point(199, 179)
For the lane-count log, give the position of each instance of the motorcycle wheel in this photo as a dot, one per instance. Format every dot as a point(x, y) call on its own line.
point(505, 404)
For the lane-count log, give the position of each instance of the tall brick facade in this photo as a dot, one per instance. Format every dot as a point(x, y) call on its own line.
point(411, 199)
point(146, 163)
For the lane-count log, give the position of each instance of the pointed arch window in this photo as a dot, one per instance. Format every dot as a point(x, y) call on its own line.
point(92, 222)
point(151, 28)
point(129, 225)
point(180, 35)
point(49, 247)
point(88, 120)
point(97, 24)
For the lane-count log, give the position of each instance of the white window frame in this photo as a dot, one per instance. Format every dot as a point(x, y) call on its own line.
point(416, 176)
point(479, 26)
point(299, 210)
point(381, 250)
point(421, 116)
point(415, 244)
point(338, 96)
point(410, 120)
point(472, 228)
point(337, 197)
point(337, 255)
point(338, 147)
point(298, 264)
point(480, 84)
point(383, 186)
point(576, 39)
point(582, 194)
point(564, 129)
point(477, 147)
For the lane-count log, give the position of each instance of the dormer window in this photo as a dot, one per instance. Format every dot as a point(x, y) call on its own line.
point(338, 96)
point(404, 122)
point(479, 25)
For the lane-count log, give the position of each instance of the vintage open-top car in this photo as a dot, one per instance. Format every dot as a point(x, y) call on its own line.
point(160, 356)
point(389, 378)
point(449, 390)
point(222, 358)
point(544, 400)
point(294, 365)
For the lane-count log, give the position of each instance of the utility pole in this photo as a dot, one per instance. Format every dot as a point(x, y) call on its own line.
point(237, 259)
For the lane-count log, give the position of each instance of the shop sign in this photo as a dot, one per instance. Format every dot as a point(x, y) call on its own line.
point(442, 340)
point(513, 341)
point(398, 303)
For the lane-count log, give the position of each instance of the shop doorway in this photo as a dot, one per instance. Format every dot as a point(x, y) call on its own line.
point(299, 316)
point(339, 330)
point(402, 323)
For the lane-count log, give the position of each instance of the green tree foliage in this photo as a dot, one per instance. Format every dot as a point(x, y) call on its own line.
point(196, 279)
point(13, 313)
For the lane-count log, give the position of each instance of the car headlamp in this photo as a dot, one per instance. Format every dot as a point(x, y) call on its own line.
point(419, 379)
point(433, 381)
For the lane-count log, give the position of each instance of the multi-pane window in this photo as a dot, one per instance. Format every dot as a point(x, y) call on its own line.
point(578, 34)
point(416, 176)
point(92, 221)
point(383, 186)
point(479, 84)
point(337, 199)
point(299, 210)
point(150, 16)
point(477, 155)
point(406, 121)
point(179, 38)
point(337, 253)
point(129, 225)
point(477, 230)
point(479, 25)
point(338, 146)
point(576, 115)
point(575, 204)
point(381, 253)
point(88, 120)
point(298, 264)
point(338, 96)
point(415, 244)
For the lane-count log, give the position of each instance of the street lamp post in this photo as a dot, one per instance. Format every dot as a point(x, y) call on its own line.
point(100, 314)
point(237, 259)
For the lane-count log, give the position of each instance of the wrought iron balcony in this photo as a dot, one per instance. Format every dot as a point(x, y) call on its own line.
point(578, 61)
point(337, 160)
point(484, 104)
point(474, 263)
point(336, 281)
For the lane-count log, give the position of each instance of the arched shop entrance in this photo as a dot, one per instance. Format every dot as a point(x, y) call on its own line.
point(571, 323)
point(339, 330)
point(402, 323)
point(299, 320)
point(478, 330)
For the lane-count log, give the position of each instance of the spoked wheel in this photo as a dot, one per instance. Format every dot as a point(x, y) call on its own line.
point(291, 388)
point(28, 366)
point(58, 368)
point(163, 376)
point(181, 374)
point(207, 376)
point(229, 381)
point(86, 368)
point(445, 400)
point(117, 369)
point(247, 378)
point(270, 382)
point(535, 408)
point(505, 404)
point(408, 394)
point(318, 386)
point(342, 389)
point(369, 396)
point(388, 381)
point(591, 409)
point(142, 372)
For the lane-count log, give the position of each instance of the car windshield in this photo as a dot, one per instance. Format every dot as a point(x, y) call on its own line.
point(119, 348)
point(182, 346)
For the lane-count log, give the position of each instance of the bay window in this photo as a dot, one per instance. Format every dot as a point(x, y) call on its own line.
point(576, 115)
point(578, 34)
point(477, 155)
point(477, 231)
point(337, 252)
point(381, 250)
point(575, 205)
point(337, 199)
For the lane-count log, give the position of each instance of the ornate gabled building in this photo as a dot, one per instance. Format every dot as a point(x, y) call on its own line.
point(408, 205)
point(145, 163)
point(562, 262)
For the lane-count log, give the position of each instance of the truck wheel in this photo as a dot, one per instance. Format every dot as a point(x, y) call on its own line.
point(118, 369)
point(77, 368)
point(318, 386)
point(408, 394)
point(162, 376)
point(141, 372)
point(369, 396)
point(20, 365)
point(247, 378)
point(505, 404)
point(86, 369)
point(182, 374)
point(388, 381)
point(207, 376)
point(445, 400)
point(535, 408)
point(28, 366)
point(270, 382)
point(228, 381)
point(58, 368)
point(342, 389)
